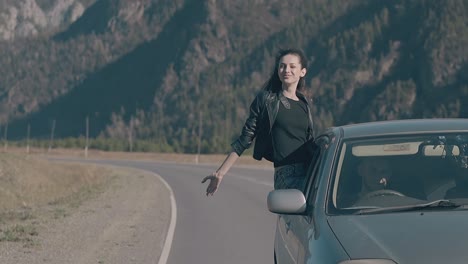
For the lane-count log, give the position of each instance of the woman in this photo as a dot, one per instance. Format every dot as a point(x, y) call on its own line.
point(281, 121)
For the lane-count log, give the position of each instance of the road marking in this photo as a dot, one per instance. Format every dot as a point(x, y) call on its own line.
point(170, 233)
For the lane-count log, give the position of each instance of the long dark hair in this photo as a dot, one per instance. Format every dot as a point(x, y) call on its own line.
point(274, 83)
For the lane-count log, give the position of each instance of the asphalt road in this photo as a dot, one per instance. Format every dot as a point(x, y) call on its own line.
point(233, 226)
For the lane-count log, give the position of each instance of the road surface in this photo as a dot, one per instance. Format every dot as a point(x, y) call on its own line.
point(233, 226)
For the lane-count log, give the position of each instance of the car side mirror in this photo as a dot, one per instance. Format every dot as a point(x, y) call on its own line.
point(286, 201)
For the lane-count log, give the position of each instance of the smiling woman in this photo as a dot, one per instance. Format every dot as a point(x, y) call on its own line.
point(280, 121)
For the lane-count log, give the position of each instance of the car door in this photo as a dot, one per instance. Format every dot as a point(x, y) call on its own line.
point(291, 227)
point(304, 226)
point(285, 248)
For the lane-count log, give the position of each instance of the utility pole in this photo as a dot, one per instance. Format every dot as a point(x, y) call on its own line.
point(5, 137)
point(130, 134)
point(27, 138)
point(87, 137)
point(200, 131)
point(52, 131)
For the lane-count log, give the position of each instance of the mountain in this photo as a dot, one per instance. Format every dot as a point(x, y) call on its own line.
point(168, 71)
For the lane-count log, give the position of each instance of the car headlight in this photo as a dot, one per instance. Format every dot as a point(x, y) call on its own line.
point(368, 261)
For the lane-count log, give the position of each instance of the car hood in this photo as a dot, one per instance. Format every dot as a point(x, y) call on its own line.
point(410, 237)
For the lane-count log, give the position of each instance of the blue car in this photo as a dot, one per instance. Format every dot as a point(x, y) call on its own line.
point(391, 192)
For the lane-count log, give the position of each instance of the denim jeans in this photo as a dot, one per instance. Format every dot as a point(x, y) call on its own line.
point(290, 176)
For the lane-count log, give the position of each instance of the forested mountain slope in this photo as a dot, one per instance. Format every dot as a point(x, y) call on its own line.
point(158, 69)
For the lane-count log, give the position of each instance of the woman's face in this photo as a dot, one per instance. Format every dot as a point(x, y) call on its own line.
point(290, 69)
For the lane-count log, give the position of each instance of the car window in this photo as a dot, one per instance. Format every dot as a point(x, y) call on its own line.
point(385, 172)
point(313, 171)
point(323, 144)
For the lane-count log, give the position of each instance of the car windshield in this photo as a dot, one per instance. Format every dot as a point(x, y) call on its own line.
point(400, 171)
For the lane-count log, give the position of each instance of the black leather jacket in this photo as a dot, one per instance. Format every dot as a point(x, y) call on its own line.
point(263, 111)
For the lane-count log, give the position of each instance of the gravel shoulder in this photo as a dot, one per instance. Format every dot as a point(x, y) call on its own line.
point(125, 223)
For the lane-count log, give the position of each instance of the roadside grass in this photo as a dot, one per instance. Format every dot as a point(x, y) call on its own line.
point(18, 233)
point(244, 160)
point(34, 191)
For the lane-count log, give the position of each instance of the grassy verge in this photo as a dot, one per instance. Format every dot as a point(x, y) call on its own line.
point(34, 191)
point(245, 160)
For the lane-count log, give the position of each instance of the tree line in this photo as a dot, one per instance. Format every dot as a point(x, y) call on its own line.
point(182, 81)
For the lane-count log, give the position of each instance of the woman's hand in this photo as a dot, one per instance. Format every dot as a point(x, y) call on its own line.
point(215, 180)
point(216, 177)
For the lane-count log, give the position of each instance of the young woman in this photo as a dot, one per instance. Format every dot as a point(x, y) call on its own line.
point(281, 121)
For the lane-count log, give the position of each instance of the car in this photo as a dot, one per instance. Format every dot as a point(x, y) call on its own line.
point(383, 192)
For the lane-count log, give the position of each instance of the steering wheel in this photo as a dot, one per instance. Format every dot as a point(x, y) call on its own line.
point(383, 192)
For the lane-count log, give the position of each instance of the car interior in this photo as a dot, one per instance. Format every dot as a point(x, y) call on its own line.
point(419, 174)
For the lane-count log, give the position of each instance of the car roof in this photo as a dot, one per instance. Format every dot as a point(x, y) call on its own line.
point(406, 126)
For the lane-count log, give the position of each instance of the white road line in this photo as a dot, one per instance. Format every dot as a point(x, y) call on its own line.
point(170, 233)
